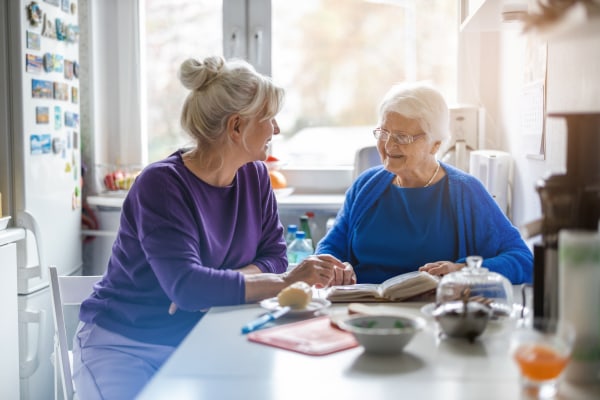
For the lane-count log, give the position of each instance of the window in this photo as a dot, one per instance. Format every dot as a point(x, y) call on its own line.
point(174, 31)
point(335, 58)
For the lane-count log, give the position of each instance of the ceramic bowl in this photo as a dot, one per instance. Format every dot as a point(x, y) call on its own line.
point(383, 334)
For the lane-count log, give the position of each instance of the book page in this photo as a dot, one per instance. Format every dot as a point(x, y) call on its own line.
point(355, 292)
point(408, 285)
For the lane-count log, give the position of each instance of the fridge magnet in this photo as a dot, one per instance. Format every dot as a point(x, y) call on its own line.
point(35, 144)
point(40, 144)
point(33, 40)
point(73, 8)
point(76, 69)
point(72, 32)
point(33, 63)
point(42, 115)
point(68, 69)
point(57, 145)
point(34, 14)
point(48, 62)
point(65, 5)
point(41, 89)
point(61, 29)
point(46, 142)
point(75, 140)
point(61, 91)
point(53, 2)
point(74, 95)
point(48, 29)
point(70, 119)
point(57, 118)
point(58, 63)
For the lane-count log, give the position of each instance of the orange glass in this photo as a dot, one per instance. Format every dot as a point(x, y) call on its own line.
point(539, 362)
point(542, 349)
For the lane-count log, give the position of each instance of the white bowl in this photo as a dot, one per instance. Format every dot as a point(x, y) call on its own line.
point(383, 334)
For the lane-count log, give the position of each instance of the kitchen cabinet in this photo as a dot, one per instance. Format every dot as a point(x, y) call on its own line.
point(9, 334)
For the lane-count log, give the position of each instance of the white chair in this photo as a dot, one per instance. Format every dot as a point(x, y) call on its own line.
point(365, 158)
point(65, 291)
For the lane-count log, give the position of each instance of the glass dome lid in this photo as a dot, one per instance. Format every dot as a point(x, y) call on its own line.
point(476, 283)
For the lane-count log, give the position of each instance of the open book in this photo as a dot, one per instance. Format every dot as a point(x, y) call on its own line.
point(398, 288)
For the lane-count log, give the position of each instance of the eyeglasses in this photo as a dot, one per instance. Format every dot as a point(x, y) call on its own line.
point(382, 134)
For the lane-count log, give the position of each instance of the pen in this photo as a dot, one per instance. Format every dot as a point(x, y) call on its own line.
point(257, 323)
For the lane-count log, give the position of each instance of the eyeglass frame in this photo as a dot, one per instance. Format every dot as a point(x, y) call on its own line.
point(384, 135)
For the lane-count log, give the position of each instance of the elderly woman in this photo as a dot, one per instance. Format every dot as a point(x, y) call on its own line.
point(198, 229)
point(416, 213)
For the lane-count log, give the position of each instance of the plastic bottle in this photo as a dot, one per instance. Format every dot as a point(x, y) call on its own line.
point(290, 233)
point(299, 249)
point(315, 232)
point(305, 226)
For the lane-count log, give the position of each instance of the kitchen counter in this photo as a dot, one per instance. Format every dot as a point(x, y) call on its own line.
point(323, 202)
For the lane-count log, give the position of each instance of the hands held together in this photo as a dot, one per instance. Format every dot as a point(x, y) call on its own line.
point(322, 270)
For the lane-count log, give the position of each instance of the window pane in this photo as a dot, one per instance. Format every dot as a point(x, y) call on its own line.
point(337, 58)
point(175, 30)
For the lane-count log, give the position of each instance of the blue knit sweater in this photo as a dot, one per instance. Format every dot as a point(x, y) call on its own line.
point(483, 229)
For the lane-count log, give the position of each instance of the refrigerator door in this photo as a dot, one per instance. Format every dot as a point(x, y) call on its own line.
point(46, 162)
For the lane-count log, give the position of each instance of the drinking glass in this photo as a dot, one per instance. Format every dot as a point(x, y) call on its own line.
point(542, 349)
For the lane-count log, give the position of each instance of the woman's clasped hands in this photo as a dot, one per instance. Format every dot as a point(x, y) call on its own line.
point(322, 270)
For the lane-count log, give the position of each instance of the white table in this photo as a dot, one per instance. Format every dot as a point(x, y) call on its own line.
point(217, 362)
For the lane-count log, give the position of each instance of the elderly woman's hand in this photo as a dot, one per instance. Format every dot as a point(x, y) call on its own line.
point(322, 270)
point(441, 268)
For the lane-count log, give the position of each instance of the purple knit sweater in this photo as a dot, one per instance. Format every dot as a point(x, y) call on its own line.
point(181, 239)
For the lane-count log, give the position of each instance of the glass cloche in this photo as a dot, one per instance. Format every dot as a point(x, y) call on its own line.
point(474, 283)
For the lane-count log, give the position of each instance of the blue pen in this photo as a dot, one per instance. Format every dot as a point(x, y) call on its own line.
point(259, 322)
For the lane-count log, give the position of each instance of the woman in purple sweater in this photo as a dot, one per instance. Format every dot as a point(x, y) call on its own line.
point(198, 229)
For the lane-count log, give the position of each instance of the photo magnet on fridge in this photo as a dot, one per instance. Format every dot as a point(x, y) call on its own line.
point(61, 29)
point(33, 40)
point(34, 13)
point(68, 69)
point(42, 89)
point(42, 115)
point(70, 119)
point(33, 63)
point(57, 118)
point(74, 95)
point(58, 63)
point(40, 144)
point(61, 91)
point(48, 29)
point(48, 62)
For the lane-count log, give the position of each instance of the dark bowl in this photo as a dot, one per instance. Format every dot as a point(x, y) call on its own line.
point(460, 320)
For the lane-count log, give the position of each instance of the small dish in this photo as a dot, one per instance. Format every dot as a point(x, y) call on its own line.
point(316, 304)
point(383, 334)
point(284, 192)
point(4, 222)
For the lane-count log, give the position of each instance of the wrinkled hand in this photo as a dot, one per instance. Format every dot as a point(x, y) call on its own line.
point(441, 268)
point(321, 271)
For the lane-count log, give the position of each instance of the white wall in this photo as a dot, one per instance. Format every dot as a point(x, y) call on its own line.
point(497, 64)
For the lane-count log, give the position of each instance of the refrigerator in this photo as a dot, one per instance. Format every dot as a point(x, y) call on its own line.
point(41, 167)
